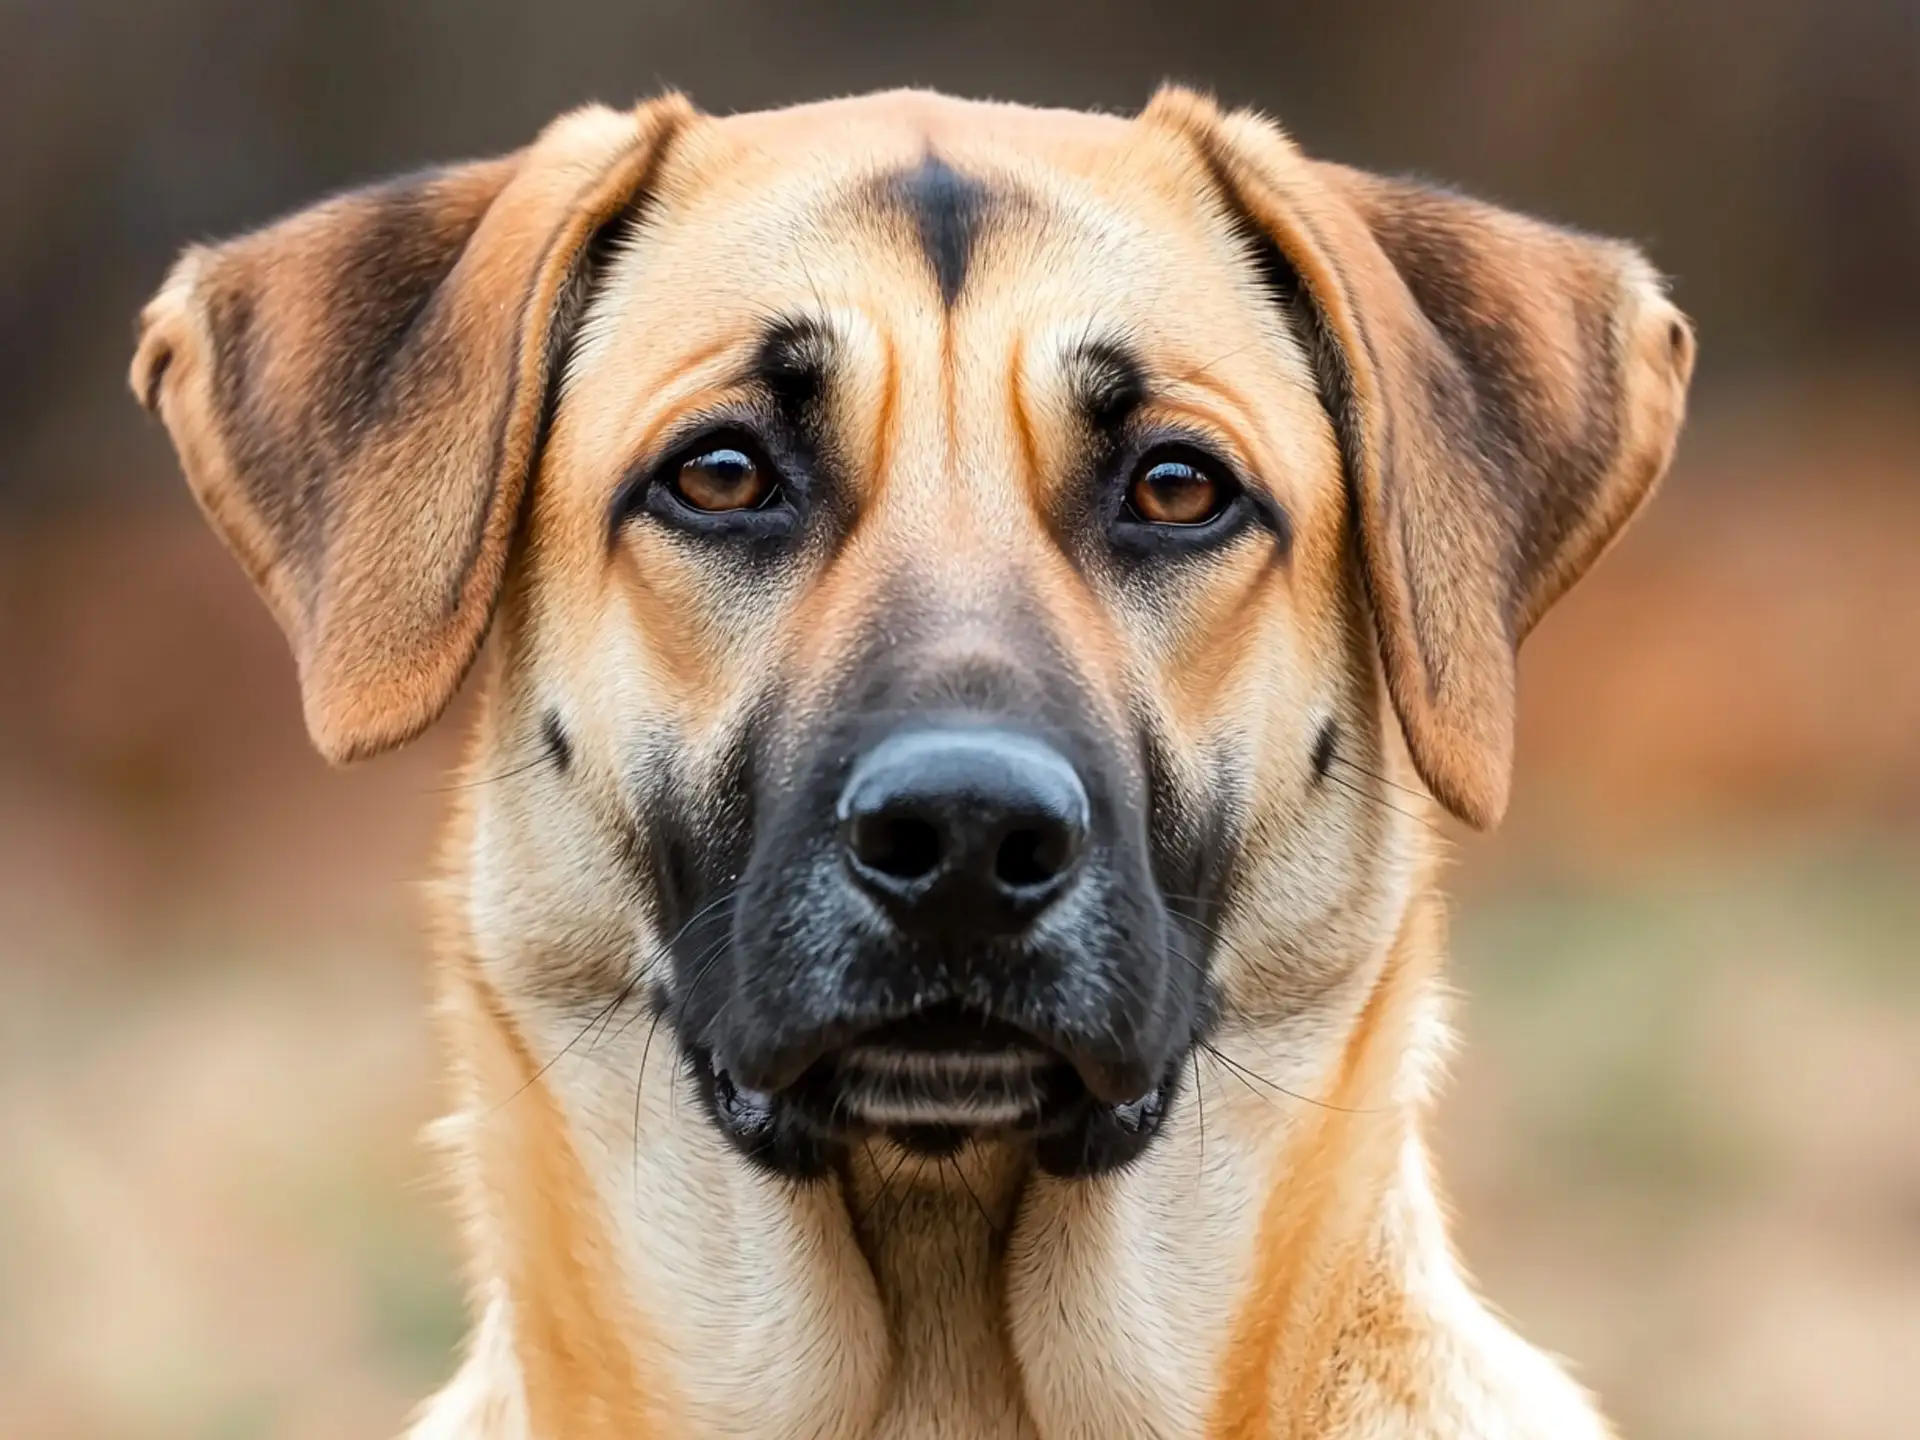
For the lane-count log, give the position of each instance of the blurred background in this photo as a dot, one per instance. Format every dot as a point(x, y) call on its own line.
point(1684, 1134)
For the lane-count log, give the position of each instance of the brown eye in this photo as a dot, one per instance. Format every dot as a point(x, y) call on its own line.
point(1176, 492)
point(723, 478)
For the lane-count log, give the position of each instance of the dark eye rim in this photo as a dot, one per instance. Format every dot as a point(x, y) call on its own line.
point(1133, 531)
point(654, 488)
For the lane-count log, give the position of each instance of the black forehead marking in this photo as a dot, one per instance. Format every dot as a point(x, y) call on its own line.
point(949, 211)
point(792, 361)
point(1109, 382)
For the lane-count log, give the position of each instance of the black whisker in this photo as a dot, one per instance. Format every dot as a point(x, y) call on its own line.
point(900, 1204)
point(619, 999)
point(708, 959)
point(953, 1220)
point(1383, 803)
point(1376, 775)
point(1200, 1045)
point(1196, 921)
point(599, 1026)
point(1228, 946)
point(1248, 1075)
point(533, 764)
point(885, 1185)
point(601, 1016)
point(639, 1083)
point(961, 1175)
point(1200, 1103)
point(659, 1009)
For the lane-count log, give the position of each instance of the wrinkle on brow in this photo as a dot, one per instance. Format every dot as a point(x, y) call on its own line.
point(683, 366)
point(885, 419)
point(716, 392)
point(1023, 422)
point(1237, 430)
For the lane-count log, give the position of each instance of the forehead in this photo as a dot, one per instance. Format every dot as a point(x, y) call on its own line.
point(904, 218)
point(949, 176)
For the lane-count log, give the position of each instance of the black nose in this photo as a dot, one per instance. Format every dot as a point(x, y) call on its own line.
point(963, 828)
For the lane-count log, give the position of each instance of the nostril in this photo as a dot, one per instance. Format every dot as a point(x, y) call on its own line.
point(962, 830)
point(901, 847)
point(1028, 859)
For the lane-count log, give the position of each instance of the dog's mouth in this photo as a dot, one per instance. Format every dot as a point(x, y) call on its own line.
point(931, 1082)
point(949, 1069)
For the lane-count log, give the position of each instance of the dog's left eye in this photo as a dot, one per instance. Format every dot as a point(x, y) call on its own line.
point(721, 479)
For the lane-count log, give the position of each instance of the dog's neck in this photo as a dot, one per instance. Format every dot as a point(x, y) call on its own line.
point(1275, 1265)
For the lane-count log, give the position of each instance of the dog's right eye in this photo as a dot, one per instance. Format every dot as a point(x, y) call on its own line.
point(721, 483)
point(1176, 492)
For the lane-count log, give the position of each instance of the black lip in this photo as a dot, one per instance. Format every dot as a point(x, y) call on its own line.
point(804, 1130)
point(887, 1088)
point(950, 1028)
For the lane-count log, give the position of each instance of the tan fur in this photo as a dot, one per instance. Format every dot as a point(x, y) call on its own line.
point(537, 1235)
point(407, 410)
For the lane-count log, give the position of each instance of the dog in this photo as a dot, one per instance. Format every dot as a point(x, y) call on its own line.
point(984, 611)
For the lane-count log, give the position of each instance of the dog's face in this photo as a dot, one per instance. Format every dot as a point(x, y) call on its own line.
point(966, 601)
point(976, 590)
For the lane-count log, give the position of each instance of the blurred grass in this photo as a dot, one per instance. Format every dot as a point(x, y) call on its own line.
point(1602, 994)
point(1684, 1139)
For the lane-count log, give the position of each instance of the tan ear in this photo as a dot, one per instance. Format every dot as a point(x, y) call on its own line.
point(358, 394)
point(1506, 395)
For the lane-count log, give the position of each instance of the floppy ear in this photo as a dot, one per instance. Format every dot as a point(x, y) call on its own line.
point(1506, 396)
point(358, 395)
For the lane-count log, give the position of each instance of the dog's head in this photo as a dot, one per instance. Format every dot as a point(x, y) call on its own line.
point(976, 590)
